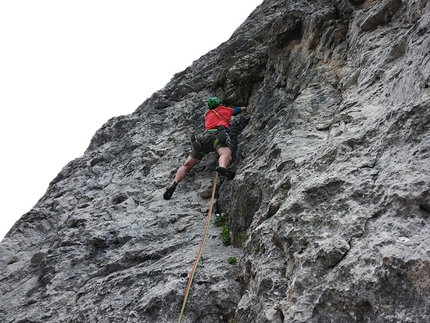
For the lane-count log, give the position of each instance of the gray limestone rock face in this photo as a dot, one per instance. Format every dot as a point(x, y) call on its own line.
point(328, 215)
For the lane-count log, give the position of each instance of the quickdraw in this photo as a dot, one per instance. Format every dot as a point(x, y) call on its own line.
point(199, 253)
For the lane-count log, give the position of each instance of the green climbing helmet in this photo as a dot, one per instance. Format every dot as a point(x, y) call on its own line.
point(213, 103)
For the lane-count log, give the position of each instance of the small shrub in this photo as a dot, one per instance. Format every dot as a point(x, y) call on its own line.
point(73, 224)
point(241, 238)
point(232, 260)
point(256, 249)
point(225, 236)
point(220, 219)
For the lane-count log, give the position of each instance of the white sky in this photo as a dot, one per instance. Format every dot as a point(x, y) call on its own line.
point(66, 67)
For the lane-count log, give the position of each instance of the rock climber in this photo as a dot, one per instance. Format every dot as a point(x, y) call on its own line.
point(215, 138)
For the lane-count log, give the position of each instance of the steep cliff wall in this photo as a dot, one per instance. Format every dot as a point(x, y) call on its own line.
point(328, 214)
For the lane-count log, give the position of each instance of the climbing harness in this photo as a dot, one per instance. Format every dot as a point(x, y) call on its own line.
point(199, 253)
point(209, 140)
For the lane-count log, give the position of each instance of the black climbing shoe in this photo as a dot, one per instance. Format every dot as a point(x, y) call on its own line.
point(225, 172)
point(169, 192)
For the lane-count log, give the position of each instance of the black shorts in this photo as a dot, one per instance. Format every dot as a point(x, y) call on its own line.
point(211, 140)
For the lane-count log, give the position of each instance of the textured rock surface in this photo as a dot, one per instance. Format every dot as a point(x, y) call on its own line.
point(329, 211)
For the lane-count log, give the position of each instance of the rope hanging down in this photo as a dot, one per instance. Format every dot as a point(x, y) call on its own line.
point(199, 253)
